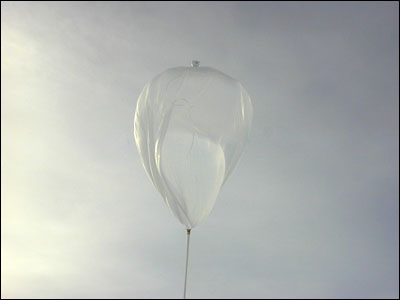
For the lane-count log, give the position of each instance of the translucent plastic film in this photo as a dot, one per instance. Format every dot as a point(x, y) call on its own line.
point(191, 124)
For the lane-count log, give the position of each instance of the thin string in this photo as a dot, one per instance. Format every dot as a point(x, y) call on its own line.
point(187, 259)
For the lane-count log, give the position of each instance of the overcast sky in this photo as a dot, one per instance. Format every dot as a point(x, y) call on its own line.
point(312, 209)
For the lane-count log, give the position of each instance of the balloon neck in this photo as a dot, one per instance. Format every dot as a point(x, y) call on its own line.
point(195, 63)
point(188, 231)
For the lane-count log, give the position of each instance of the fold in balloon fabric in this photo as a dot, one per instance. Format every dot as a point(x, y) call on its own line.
point(191, 124)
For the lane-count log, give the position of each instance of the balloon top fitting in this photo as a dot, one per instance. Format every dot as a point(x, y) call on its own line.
point(195, 63)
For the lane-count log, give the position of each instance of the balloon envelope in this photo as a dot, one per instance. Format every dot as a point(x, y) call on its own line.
point(191, 124)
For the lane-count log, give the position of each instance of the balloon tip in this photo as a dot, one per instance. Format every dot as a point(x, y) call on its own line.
point(188, 231)
point(195, 63)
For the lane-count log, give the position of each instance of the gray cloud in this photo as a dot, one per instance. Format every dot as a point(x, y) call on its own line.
point(311, 210)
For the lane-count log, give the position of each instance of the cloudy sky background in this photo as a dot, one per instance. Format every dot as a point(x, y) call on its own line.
point(311, 210)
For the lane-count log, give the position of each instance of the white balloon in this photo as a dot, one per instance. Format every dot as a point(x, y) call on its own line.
point(191, 124)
